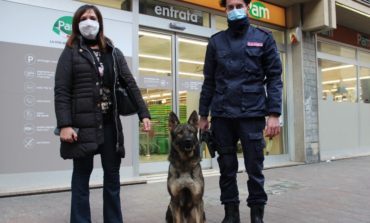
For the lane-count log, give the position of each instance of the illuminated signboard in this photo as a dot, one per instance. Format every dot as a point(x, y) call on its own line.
point(258, 10)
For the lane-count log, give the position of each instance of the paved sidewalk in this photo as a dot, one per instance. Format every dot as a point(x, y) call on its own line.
point(329, 192)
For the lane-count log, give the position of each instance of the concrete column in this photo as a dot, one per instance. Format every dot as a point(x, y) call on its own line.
point(311, 113)
point(296, 109)
point(303, 110)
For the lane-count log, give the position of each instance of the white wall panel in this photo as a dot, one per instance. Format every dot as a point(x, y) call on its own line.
point(364, 129)
point(339, 129)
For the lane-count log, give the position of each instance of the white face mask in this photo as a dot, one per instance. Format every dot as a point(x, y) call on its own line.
point(89, 28)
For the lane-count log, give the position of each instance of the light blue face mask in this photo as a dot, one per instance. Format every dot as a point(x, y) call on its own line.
point(236, 14)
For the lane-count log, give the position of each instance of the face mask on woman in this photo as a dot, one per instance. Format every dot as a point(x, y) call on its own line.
point(89, 28)
point(236, 14)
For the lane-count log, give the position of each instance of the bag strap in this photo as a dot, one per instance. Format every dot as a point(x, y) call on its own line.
point(120, 79)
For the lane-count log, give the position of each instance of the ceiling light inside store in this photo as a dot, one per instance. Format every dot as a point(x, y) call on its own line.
point(331, 82)
point(154, 96)
point(344, 80)
point(364, 77)
point(191, 74)
point(143, 33)
point(155, 70)
point(169, 72)
point(154, 57)
point(201, 43)
point(191, 61)
point(353, 10)
point(169, 59)
point(337, 68)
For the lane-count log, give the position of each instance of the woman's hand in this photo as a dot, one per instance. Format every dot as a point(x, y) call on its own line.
point(67, 134)
point(147, 125)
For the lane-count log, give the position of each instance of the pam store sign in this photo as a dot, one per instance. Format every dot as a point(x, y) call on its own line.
point(173, 12)
point(259, 10)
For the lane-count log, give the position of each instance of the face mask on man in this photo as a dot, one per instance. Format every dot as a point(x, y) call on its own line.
point(236, 14)
point(89, 28)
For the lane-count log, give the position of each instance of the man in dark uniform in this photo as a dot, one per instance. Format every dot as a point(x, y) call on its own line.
point(242, 85)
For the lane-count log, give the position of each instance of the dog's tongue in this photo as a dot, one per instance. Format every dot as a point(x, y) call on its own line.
point(188, 149)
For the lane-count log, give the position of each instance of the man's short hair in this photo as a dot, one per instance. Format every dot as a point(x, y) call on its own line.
point(223, 2)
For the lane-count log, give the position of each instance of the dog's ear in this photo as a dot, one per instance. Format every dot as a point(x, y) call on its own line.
point(193, 119)
point(173, 121)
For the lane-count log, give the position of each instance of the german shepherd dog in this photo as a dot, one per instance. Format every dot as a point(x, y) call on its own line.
point(185, 181)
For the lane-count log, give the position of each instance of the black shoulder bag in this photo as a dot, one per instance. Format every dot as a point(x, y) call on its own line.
point(126, 103)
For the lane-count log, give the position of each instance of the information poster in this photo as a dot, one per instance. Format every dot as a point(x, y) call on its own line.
point(30, 48)
point(27, 116)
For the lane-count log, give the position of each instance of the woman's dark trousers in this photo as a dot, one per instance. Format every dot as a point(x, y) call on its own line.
point(82, 168)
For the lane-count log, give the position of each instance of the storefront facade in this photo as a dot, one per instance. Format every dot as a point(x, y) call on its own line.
point(164, 43)
point(171, 58)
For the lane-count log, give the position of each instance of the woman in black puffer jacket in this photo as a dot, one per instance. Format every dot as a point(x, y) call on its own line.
point(86, 111)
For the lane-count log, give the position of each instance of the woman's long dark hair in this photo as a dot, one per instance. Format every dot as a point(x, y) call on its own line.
point(76, 31)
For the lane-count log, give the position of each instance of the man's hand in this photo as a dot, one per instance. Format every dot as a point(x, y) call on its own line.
point(272, 126)
point(67, 134)
point(203, 123)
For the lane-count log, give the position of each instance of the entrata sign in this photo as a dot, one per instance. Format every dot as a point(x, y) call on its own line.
point(258, 10)
point(173, 12)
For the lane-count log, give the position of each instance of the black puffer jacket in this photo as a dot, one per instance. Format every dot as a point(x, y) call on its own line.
point(76, 97)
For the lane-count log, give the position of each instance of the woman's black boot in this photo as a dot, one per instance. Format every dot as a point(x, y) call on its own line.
point(257, 213)
point(231, 213)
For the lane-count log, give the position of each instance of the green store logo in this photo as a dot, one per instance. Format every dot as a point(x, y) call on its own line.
point(63, 26)
point(259, 11)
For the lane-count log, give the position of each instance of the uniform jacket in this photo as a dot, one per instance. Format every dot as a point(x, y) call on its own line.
point(76, 98)
point(242, 75)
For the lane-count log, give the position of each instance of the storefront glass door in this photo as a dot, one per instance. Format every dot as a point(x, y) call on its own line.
point(171, 76)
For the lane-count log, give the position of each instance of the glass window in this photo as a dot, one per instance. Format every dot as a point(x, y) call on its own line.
point(275, 146)
point(156, 69)
point(155, 79)
point(154, 145)
point(221, 23)
point(338, 81)
point(117, 4)
point(155, 59)
point(364, 57)
point(191, 61)
point(337, 50)
point(364, 84)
